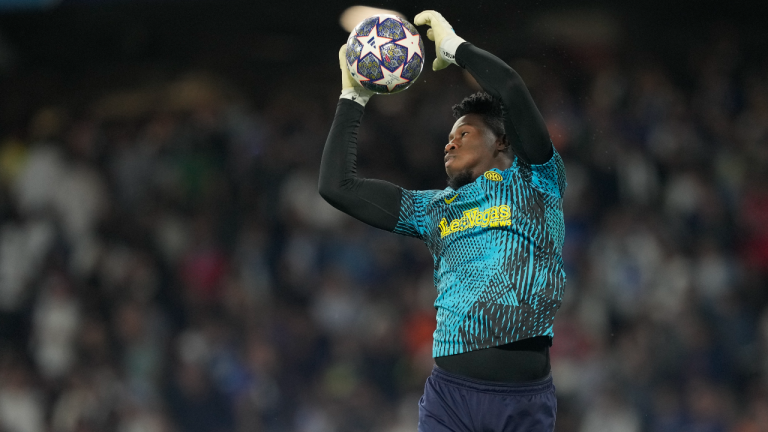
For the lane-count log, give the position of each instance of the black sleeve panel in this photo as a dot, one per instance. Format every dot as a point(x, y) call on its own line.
point(374, 202)
point(523, 123)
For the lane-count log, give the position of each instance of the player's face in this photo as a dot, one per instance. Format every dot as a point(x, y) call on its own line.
point(471, 147)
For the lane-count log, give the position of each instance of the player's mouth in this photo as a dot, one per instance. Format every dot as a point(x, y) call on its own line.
point(448, 158)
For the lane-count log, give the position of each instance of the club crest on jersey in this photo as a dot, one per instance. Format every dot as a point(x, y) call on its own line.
point(496, 216)
point(493, 176)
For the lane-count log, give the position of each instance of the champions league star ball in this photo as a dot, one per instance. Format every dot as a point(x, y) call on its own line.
point(385, 54)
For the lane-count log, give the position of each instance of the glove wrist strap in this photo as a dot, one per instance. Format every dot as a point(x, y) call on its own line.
point(358, 95)
point(448, 47)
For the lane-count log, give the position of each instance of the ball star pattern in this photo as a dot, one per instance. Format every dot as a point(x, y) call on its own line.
point(385, 54)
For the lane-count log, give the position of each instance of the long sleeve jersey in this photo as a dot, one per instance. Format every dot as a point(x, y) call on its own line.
point(496, 242)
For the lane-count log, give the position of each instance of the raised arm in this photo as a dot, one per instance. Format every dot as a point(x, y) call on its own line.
point(374, 202)
point(523, 123)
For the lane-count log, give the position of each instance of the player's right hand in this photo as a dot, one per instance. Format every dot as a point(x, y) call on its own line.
point(440, 32)
point(350, 88)
point(347, 82)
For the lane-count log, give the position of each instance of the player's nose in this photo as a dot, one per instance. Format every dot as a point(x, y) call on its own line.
point(450, 146)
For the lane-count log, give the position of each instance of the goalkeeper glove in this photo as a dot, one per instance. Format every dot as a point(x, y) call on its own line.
point(446, 41)
point(351, 89)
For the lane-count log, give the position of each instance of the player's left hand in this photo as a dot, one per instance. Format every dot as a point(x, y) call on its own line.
point(444, 36)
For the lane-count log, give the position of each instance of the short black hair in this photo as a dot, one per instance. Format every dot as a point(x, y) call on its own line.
point(485, 105)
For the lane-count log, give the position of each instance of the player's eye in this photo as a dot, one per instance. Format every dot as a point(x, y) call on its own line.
point(464, 133)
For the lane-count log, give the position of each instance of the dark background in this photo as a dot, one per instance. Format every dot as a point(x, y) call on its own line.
point(167, 265)
point(60, 49)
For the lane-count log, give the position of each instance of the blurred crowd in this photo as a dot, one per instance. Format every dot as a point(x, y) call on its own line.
point(171, 267)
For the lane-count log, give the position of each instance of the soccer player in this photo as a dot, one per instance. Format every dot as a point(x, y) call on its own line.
point(496, 236)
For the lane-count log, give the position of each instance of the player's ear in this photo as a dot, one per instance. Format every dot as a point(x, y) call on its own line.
point(502, 144)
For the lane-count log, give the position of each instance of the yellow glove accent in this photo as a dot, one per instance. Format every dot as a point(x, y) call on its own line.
point(446, 41)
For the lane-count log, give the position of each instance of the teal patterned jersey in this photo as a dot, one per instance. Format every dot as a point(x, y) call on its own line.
point(497, 249)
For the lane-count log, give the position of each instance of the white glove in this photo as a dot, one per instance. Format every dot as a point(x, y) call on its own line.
point(351, 89)
point(446, 41)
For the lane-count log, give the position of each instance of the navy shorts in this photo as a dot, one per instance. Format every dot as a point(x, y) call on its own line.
point(454, 403)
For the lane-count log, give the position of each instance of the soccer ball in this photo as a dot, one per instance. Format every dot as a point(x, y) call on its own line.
point(385, 54)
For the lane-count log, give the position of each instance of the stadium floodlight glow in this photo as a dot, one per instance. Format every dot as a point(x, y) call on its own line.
point(353, 15)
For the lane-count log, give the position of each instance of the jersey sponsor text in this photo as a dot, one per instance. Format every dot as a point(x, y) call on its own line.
point(497, 216)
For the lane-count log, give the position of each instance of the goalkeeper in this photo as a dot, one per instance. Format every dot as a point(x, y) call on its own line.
point(496, 236)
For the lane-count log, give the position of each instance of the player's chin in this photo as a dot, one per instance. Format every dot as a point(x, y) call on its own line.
point(448, 170)
point(459, 178)
point(451, 167)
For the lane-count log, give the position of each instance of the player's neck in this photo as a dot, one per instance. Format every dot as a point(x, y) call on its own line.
point(500, 162)
point(503, 164)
